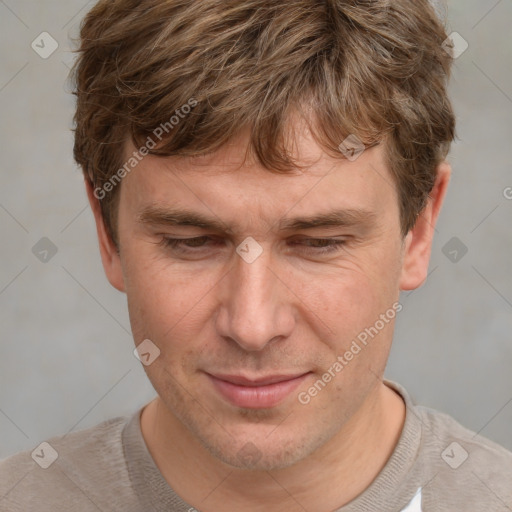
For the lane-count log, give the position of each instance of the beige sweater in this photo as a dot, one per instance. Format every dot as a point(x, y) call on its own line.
point(437, 466)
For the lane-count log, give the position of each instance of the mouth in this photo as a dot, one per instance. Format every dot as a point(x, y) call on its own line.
point(256, 393)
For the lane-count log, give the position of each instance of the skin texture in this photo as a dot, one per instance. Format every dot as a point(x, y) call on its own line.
point(291, 311)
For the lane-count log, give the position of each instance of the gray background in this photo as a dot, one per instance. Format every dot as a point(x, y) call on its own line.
point(66, 358)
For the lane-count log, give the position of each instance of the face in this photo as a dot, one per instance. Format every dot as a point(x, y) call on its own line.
point(256, 336)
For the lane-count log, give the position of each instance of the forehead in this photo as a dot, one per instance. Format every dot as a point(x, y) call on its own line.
point(234, 186)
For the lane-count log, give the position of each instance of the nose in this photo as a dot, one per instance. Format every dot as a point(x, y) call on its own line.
point(255, 306)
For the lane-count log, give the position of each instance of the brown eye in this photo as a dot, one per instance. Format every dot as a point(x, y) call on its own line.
point(321, 245)
point(185, 243)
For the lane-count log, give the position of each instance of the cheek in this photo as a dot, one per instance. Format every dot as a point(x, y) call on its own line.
point(165, 301)
point(350, 299)
point(345, 296)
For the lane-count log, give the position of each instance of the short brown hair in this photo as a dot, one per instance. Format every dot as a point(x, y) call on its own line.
point(371, 68)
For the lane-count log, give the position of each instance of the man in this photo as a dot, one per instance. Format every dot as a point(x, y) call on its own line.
point(265, 179)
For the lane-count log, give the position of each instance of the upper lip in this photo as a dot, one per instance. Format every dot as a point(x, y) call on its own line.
point(240, 380)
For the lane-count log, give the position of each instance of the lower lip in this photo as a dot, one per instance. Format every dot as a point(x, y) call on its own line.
point(256, 397)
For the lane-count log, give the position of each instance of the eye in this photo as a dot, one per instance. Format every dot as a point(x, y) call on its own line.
point(322, 245)
point(185, 243)
point(316, 246)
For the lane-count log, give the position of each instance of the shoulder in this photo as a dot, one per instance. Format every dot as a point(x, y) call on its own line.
point(465, 468)
point(67, 472)
point(456, 468)
point(442, 428)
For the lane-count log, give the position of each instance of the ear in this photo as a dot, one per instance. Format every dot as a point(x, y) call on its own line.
point(109, 254)
point(418, 242)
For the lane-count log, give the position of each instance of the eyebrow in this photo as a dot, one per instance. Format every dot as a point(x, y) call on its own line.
point(183, 217)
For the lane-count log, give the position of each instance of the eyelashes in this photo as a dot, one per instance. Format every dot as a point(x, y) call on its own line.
point(313, 246)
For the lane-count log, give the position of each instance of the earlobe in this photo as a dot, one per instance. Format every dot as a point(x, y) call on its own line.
point(109, 254)
point(418, 242)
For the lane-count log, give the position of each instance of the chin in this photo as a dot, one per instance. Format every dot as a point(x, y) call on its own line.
point(262, 453)
point(249, 457)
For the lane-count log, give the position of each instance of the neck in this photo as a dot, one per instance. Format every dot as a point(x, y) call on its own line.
point(327, 479)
